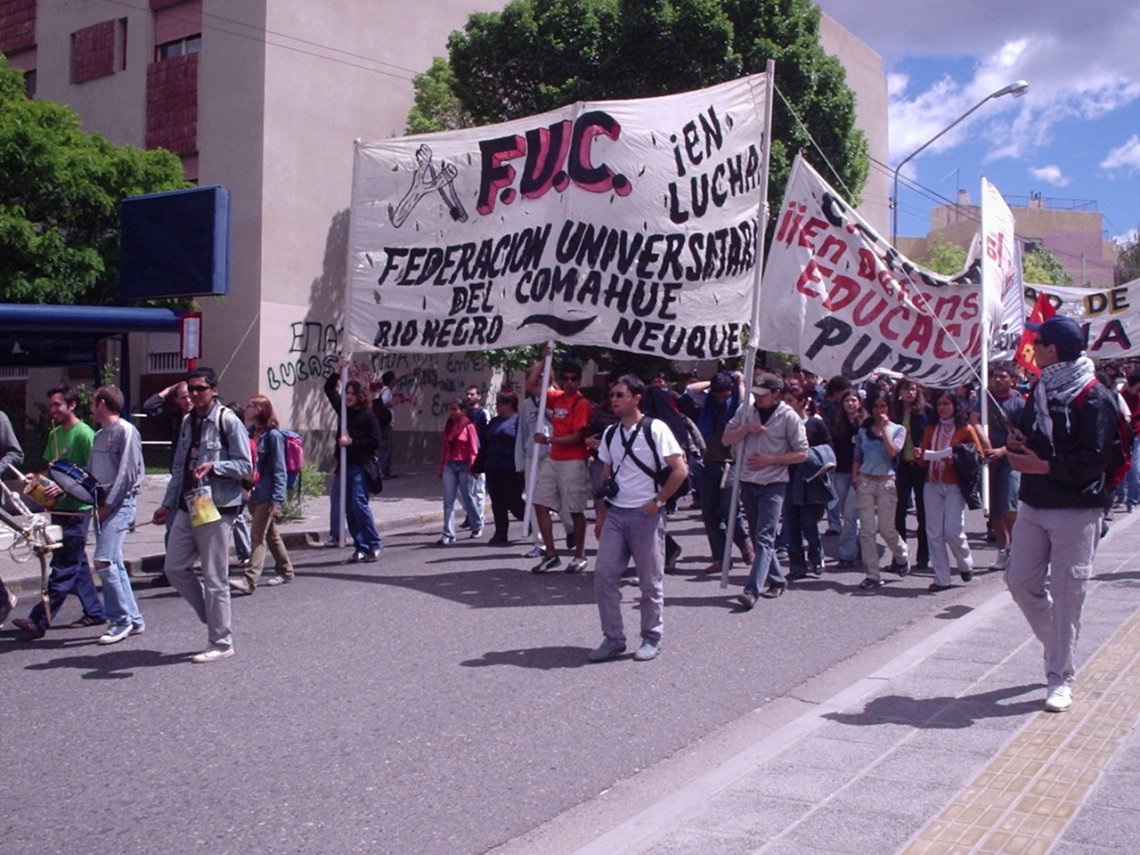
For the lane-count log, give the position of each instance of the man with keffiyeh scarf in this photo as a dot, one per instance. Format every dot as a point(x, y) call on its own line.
point(1062, 449)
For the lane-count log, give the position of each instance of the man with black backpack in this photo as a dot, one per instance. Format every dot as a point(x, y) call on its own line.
point(1063, 449)
point(631, 519)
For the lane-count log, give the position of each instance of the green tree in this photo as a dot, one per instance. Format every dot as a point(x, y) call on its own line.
point(60, 190)
point(1042, 267)
point(436, 108)
point(945, 258)
point(1128, 261)
point(537, 55)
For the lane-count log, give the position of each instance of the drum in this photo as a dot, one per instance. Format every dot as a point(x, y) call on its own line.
point(36, 490)
point(74, 480)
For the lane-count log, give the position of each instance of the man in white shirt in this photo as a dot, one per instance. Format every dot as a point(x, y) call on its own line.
point(643, 467)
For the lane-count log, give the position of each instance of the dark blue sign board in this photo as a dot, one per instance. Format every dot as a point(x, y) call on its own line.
point(175, 244)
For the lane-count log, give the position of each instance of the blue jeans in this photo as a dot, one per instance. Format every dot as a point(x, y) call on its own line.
point(762, 506)
point(1132, 480)
point(243, 546)
point(845, 502)
point(361, 525)
point(457, 480)
point(70, 572)
point(118, 598)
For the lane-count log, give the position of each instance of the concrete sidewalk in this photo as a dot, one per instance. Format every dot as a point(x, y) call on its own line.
point(944, 749)
point(410, 502)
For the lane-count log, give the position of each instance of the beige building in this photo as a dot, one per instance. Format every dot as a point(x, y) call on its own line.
point(1073, 233)
point(265, 97)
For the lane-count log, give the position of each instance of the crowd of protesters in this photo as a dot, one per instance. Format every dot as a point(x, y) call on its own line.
point(884, 468)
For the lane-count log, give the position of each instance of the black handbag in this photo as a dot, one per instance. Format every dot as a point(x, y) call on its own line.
point(968, 463)
point(374, 475)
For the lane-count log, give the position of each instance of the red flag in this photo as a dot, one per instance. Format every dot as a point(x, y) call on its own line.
point(1042, 311)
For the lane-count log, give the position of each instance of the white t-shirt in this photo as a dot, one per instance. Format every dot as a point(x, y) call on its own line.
point(635, 487)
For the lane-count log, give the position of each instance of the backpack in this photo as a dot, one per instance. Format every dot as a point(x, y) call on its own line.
point(1120, 444)
point(294, 458)
point(660, 472)
point(246, 483)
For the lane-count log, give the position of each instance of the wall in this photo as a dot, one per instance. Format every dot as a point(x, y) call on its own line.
point(865, 77)
point(115, 105)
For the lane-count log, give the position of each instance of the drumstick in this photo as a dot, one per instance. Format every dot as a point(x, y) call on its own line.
point(136, 525)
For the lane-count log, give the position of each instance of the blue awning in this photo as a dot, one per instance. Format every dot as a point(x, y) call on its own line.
point(69, 335)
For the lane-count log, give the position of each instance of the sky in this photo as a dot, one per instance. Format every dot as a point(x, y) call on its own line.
point(1073, 138)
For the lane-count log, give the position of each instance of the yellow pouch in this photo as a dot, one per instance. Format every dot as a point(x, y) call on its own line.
point(201, 506)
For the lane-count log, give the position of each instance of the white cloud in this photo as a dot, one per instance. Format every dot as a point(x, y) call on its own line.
point(1081, 62)
point(1050, 174)
point(1126, 156)
point(1127, 239)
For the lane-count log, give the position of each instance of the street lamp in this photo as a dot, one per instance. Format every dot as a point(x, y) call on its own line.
point(1015, 89)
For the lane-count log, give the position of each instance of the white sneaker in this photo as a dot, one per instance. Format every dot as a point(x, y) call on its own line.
point(1002, 560)
point(115, 634)
point(214, 654)
point(1059, 699)
point(6, 608)
point(577, 565)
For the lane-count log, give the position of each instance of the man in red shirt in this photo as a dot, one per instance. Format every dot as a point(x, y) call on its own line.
point(564, 477)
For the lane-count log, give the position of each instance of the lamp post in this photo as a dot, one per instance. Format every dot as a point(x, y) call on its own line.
point(1015, 89)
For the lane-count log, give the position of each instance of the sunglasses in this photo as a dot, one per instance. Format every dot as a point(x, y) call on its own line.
point(619, 395)
point(570, 378)
point(197, 388)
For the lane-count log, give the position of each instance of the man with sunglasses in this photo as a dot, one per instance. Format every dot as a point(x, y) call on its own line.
point(631, 520)
point(769, 437)
point(563, 476)
point(1062, 449)
point(213, 453)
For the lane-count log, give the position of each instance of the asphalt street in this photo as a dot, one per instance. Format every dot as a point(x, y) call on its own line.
point(438, 701)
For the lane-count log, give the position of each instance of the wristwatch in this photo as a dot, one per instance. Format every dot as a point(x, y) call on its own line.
point(659, 502)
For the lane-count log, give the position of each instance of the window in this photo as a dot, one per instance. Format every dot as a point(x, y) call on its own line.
point(178, 47)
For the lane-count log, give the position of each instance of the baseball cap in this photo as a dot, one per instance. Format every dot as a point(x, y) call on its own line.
point(1063, 332)
point(767, 383)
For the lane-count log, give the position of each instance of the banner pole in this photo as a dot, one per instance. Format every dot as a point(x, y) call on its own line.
point(532, 464)
point(342, 486)
point(753, 344)
point(984, 377)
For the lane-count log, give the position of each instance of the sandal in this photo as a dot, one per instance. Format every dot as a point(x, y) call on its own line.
point(86, 621)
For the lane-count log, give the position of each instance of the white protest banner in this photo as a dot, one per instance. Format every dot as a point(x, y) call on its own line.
point(625, 224)
point(844, 301)
point(1107, 316)
point(1000, 271)
point(1006, 338)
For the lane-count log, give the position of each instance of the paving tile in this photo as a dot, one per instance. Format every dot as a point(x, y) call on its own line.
point(784, 781)
point(937, 767)
point(834, 830)
point(891, 796)
point(827, 753)
point(1111, 828)
point(688, 841)
point(745, 812)
point(881, 733)
point(974, 740)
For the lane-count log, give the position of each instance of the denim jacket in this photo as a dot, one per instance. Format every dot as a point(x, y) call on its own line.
point(230, 458)
point(273, 478)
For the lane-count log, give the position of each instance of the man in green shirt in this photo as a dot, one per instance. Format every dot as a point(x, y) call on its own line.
point(70, 439)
